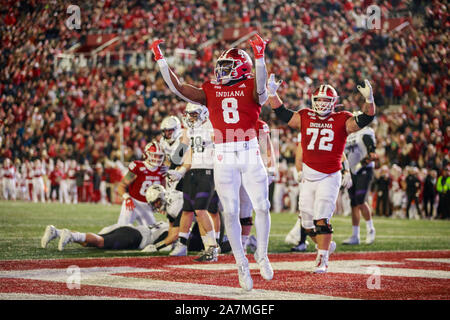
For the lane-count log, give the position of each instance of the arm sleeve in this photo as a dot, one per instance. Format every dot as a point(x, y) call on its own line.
point(164, 68)
point(369, 143)
point(261, 80)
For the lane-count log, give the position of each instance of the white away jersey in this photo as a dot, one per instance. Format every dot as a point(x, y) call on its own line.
point(169, 149)
point(174, 200)
point(356, 150)
point(202, 146)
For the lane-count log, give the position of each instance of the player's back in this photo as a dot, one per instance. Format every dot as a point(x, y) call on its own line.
point(323, 140)
point(233, 110)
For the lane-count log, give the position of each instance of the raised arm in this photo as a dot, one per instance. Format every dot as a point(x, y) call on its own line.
point(287, 116)
point(185, 91)
point(260, 92)
point(358, 122)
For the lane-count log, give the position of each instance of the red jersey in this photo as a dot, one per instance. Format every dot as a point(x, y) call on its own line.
point(145, 177)
point(233, 110)
point(323, 141)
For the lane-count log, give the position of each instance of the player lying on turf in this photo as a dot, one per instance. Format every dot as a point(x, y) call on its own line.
point(129, 237)
point(324, 133)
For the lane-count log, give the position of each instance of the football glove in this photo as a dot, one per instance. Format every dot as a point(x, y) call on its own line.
point(156, 50)
point(129, 204)
point(271, 175)
point(258, 46)
point(347, 180)
point(366, 91)
point(175, 175)
point(272, 85)
point(299, 176)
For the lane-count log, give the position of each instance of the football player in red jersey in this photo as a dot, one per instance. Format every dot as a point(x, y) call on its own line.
point(140, 175)
point(234, 99)
point(324, 133)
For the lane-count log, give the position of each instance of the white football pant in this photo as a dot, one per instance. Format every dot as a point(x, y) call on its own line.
point(9, 188)
point(64, 192)
point(293, 192)
point(142, 213)
point(38, 189)
point(72, 190)
point(239, 163)
point(318, 199)
point(278, 195)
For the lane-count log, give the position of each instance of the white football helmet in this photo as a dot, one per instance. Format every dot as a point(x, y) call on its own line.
point(156, 197)
point(153, 154)
point(195, 115)
point(171, 128)
point(324, 100)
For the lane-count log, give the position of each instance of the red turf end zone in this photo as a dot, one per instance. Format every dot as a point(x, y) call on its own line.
point(380, 275)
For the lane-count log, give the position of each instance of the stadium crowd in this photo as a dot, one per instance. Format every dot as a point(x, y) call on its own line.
point(55, 115)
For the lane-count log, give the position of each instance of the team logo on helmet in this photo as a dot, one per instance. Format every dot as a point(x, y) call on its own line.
point(233, 64)
point(153, 154)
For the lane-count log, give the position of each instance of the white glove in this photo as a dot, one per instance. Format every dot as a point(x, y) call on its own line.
point(347, 180)
point(149, 248)
point(299, 176)
point(174, 175)
point(366, 91)
point(272, 85)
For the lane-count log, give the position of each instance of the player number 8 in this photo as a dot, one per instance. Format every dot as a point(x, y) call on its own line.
point(230, 112)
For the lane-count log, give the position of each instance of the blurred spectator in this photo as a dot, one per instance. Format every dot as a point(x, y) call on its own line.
point(429, 193)
point(443, 187)
point(382, 184)
point(412, 190)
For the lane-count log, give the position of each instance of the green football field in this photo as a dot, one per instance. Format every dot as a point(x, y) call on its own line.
point(22, 225)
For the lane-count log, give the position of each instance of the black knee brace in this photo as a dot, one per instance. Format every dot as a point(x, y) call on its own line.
point(247, 221)
point(323, 229)
point(310, 232)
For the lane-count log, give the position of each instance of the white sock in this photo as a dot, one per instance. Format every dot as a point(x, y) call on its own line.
point(185, 236)
point(369, 225)
point(78, 237)
point(323, 253)
point(217, 236)
point(356, 231)
point(210, 239)
point(262, 226)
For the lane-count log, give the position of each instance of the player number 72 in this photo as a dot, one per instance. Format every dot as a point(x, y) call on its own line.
point(326, 136)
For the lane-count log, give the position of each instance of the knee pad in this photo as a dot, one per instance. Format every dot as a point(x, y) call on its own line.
point(247, 221)
point(323, 229)
point(310, 232)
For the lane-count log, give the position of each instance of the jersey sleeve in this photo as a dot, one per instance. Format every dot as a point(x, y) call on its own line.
point(133, 167)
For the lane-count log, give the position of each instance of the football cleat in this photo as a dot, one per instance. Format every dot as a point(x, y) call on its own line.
point(209, 255)
point(49, 235)
point(251, 244)
point(65, 239)
point(265, 267)
point(351, 241)
point(321, 263)
point(179, 250)
point(370, 238)
point(245, 279)
point(301, 247)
